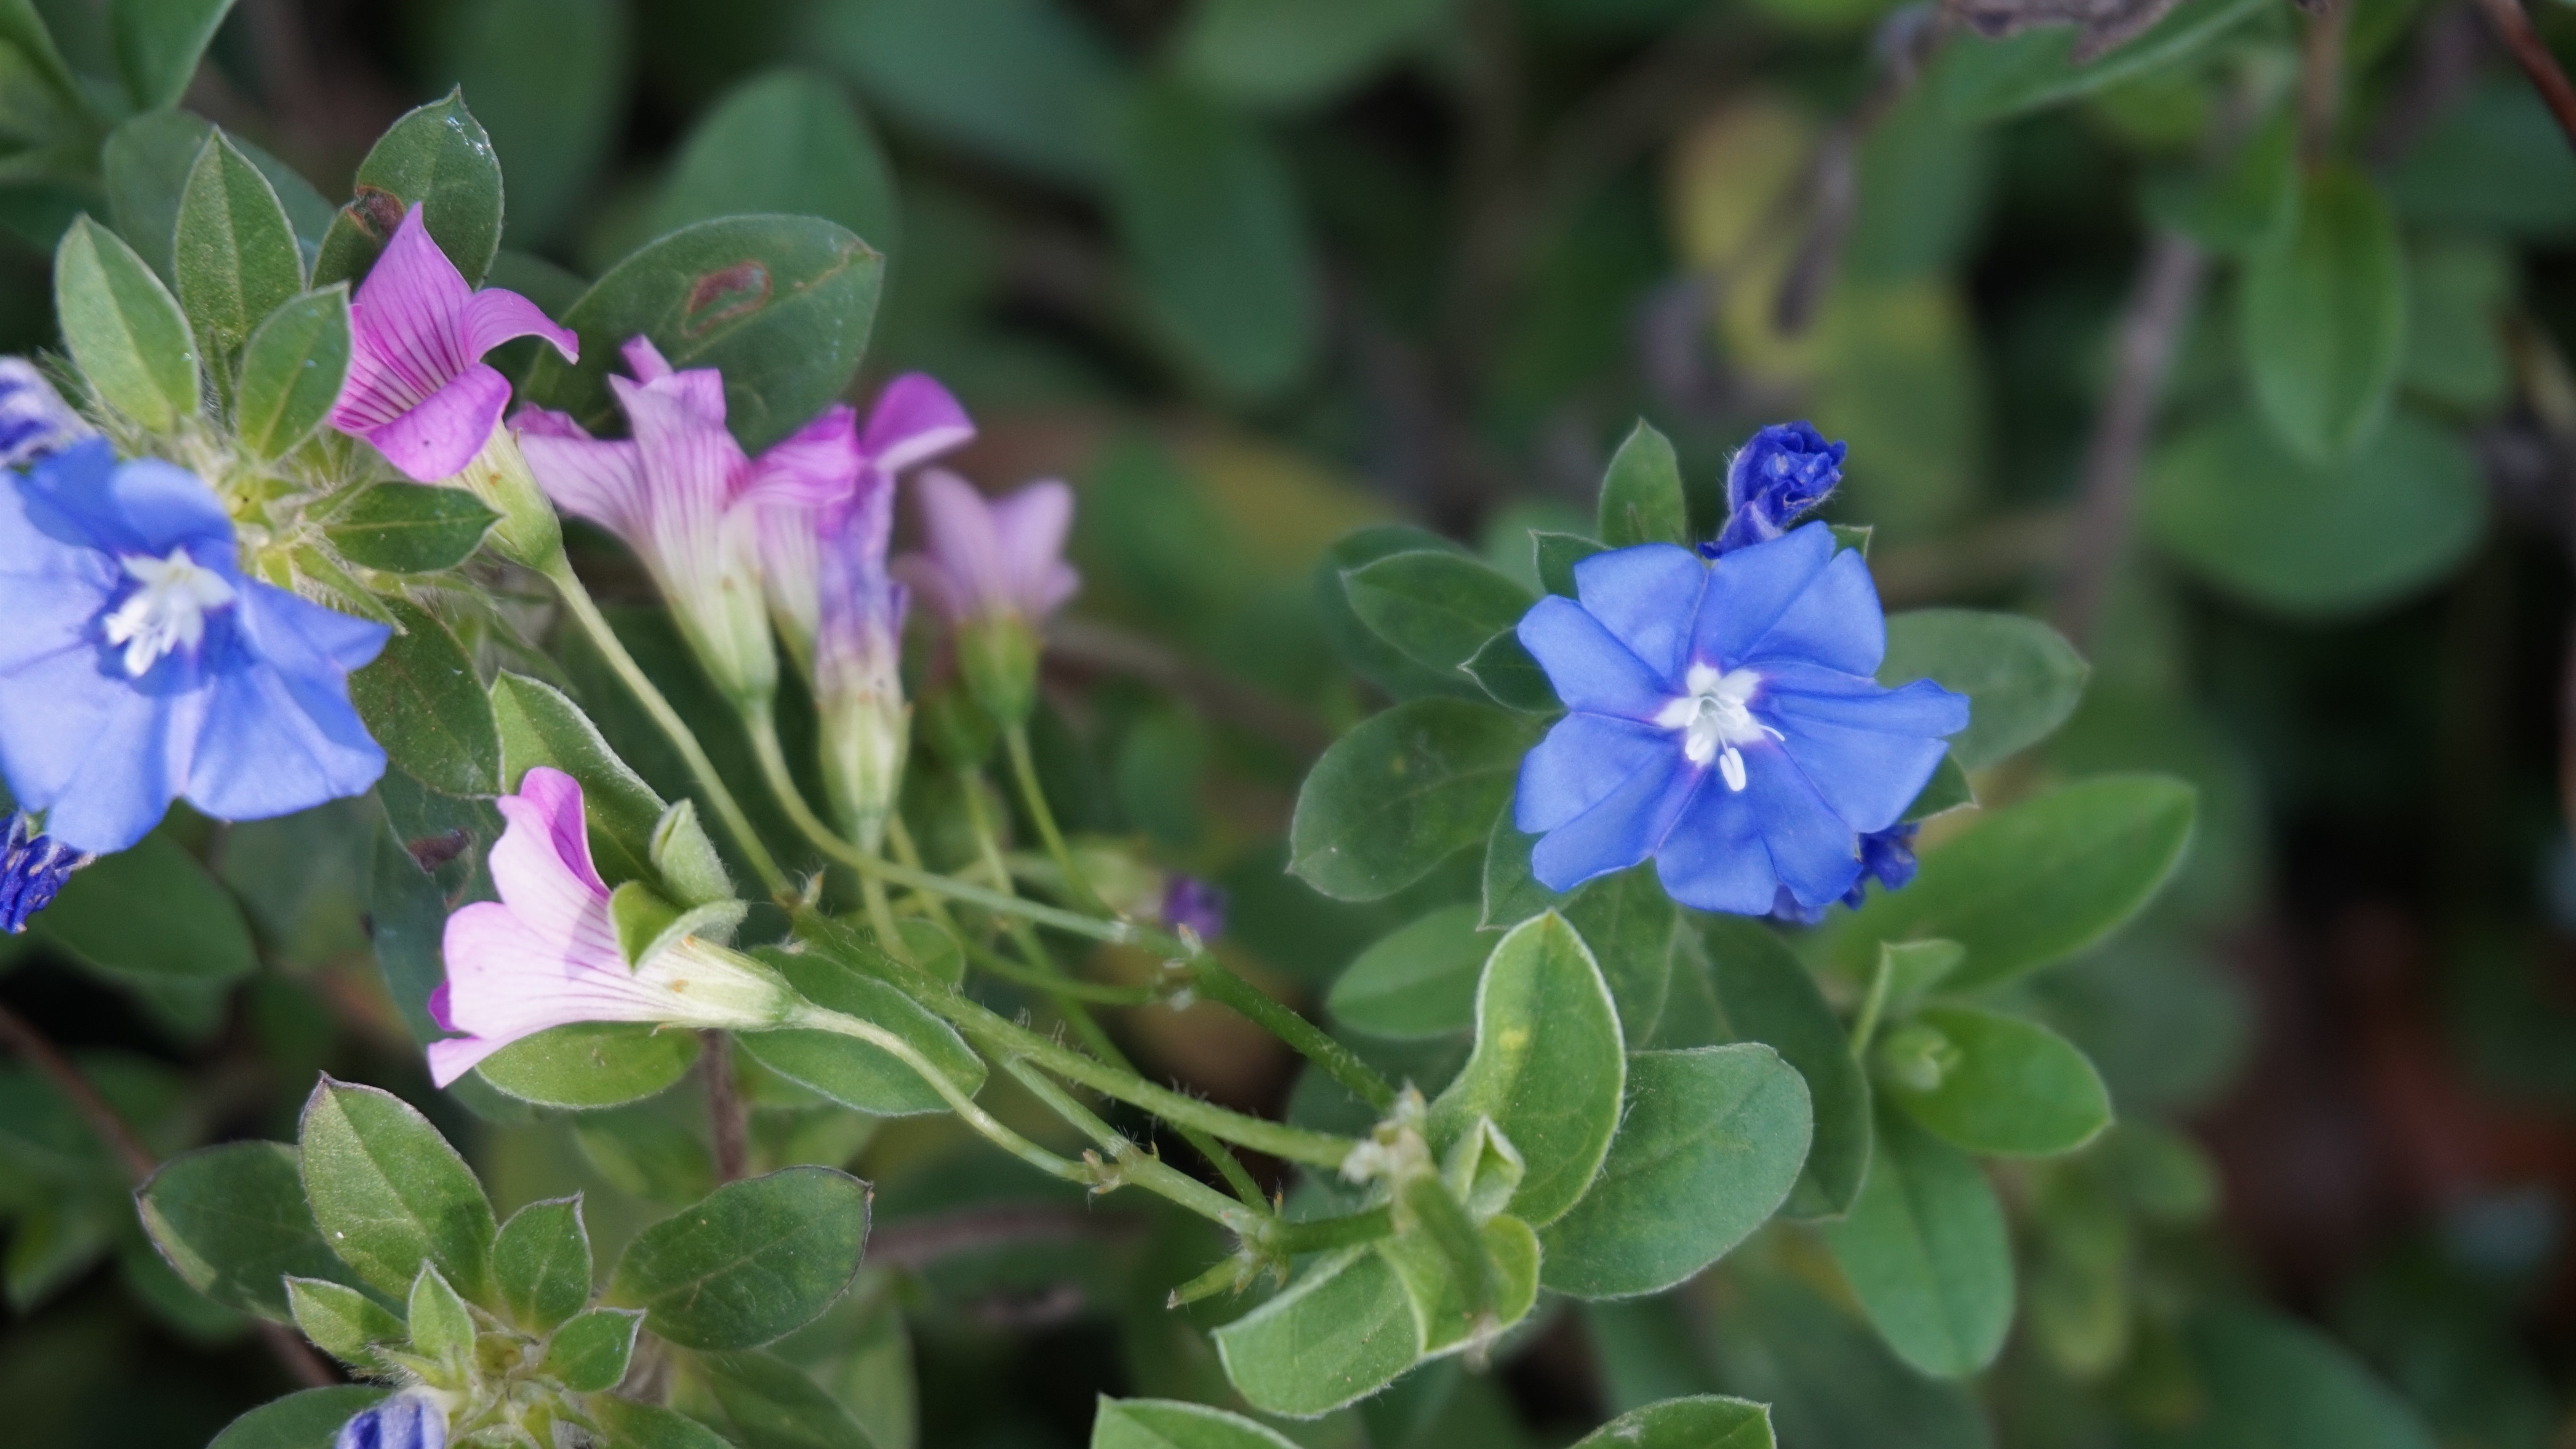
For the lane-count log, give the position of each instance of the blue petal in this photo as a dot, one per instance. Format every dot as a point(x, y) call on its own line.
point(1868, 778)
point(1588, 665)
point(1621, 830)
point(1816, 854)
point(272, 745)
point(1714, 859)
point(102, 758)
point(1920, 708)
point(1835, 621)
point(1646, 597)
point(82, 496)
point(1750, 588)
point(304, 638)
point(1583, 759)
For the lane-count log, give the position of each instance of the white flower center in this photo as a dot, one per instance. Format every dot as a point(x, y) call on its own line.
point(169, 611)
point(1715, 717)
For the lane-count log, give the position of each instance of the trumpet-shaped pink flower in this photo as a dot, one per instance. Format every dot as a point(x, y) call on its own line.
point(988, 558)
point(418, 388)
point(684, 496)
point(546, 954)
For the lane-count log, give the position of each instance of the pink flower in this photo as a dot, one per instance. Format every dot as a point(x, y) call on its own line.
point(418, 387)
point(687, 499)
point(546, 954)
point(992, 558)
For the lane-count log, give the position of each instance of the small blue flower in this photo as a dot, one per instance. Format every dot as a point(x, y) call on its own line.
point(1886, 855)
point(405, 1421)
point(1189, 902)
point(33, 867)
point(1723, 721)
point(1786, 469)
point(138, 665)
point(33, 419)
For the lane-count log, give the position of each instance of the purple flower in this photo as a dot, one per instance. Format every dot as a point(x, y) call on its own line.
point(406, 1421)
point(1724, 723)
point(546, 954)
point(141, 665)
point(1786, 469)
point(1885, 855)
point(686, 498)
point(1191, 904)
point(33, 867)
point(34, 422)
point(994, 568)
point(418, 387)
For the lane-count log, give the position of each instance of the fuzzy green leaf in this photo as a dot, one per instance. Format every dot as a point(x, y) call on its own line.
point(751, 1262)
point(1404, 791)
point(124, 328)
point(389, 1194)
point(291, 372)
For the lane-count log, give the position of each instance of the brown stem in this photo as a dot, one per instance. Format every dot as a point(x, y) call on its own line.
point(2538, 65)
point(21, 1037)
point(2168, 283)
point(724, 1105)
point(2321, 79)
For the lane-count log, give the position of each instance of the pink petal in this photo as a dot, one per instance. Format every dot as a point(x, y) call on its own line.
point(1032, 525)
point(456, 1056)
point(536, 422)
point(914, 421)
point(507, 981)
point(406, 331)
point(438, 1009)
point(557, 797)
point(495, 315)
point(964, 543)
point(923, 575)
point(550, 889)
point(816, 465)
point(602, 482)
point(692, 464)
point(440, 435)
point(643, 359)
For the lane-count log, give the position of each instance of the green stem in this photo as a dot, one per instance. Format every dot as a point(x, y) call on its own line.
point(994, 963)
point(1865, 1025)
point(577, 598)
point(881, 916)
point(1143, 1168)
point(1033, 797)
point(1338, 1061)
point(818, 1019)
point(1319, 1234)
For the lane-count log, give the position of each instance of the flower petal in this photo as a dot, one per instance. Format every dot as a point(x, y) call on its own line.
point(85, 498)
point(1814, 851)
point(1581, 762)
point(555, 797)
point(1646, 597)
point(1592, 671)
point(1619, 831)
point(456, 1056)
point(436, 439)
point(1751, 587)
point(815, 466)
point(1835, 621)
point(406, 330)
point(558, 899)
point(914, 421)
point(271, 745)
point(303, 638)
point(965, 544)
point(602, 482)
point(103, 759)
point(1713, 859)
point(1867, 777)
point(1920, 708)
point(1031, 525)
point(496, 314)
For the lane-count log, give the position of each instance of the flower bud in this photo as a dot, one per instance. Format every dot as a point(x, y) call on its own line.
point(529, 533)
point(998, 656)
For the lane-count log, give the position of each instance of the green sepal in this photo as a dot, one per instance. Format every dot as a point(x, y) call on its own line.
point(686, 858)
point(343, 1322)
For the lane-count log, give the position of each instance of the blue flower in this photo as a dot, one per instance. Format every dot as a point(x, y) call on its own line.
point(405, 1421)
point(1723, 721)
point(33, 867)
point(1192, 904)
point(138, 665)
point(1885, 855)
point(1786, 469)
point(33, 420)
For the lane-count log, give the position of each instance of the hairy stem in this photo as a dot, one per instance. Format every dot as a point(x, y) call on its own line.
point(1033, 796)
point(817, 1019)
point(1143, 1168)
point(724, 1105)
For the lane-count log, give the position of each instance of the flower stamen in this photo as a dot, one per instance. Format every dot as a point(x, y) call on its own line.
point(169, 611)
point(1716, 716)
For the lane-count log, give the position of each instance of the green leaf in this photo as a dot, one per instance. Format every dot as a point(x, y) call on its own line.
point(151, 913)
point(345, 1323)
point(1296, 52)
point(1336, 1335)
point(1641, 495)
point(1213, 230)
point(590, 1351)
point(2492, 162)
point(2007, 1088)
point(436, 157)
point(1558, 553)
point(158, 43)
point(541, 1263)
point(1628, 921)
point(685, 858)
point(1466, 1291)
point(539, 726)
point(852, 1072)
point(2021, 677)
point(1504, 669)
point(591, 1064)
point(2249, 200)
point(1438, 606)
point(410, 528)
point(1358, 645)
point(1947, 790)
point(1418, 982)
point(1172, 1424)
point(1023, 81)
point(421, 701)
point(549, 80)
point(780, 304)
point(124, 328)
point(146, 162)
point(2459, 291)
point(785, 141)
point(234, 254)
point(2306, 539)
point(2272, 1381)
point(1925, 1252)
point(1402, 792)
point(771, 1404)
point(1712, 1140)
point(2324, 318)
point(1766, 996)
point(633, 1425)
point(2032, 884)
point(442, 1327)
point(1548, 1066)
point(232, 1221)
point(291, 372)
point(1703, 1421)
point(1829, 1380)
point(1984, 80)
point(1511, 893)
point(389, 1194)
point(305, 1419)
point(754, 1260)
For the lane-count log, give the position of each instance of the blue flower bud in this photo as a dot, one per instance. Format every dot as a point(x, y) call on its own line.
point(405, 1421)
point(33, 868)
point(1189, 902)
point(1886, 854)
point(1787, 469)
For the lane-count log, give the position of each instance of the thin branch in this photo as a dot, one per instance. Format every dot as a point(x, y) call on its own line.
point(2168, 284)
point(2538, 65)
point(922, 1241)
point(2321, 79)
point(724, 1105)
